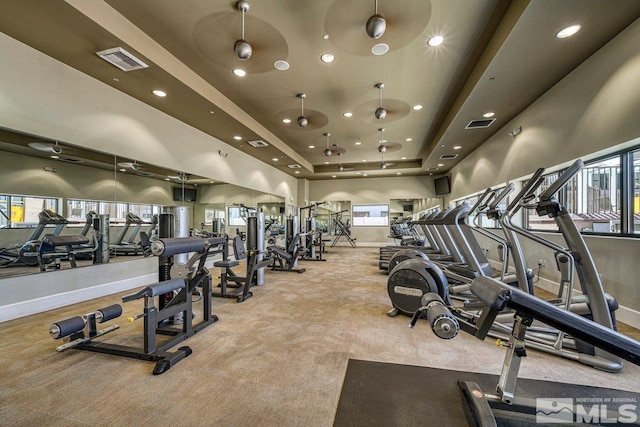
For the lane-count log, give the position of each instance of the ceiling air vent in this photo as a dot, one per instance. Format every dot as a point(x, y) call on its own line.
point(295, 166)
point(122, 59)
point(257, 143)
point(431, 169)
point(71, 160)
point(448, 156)
point(479, 124)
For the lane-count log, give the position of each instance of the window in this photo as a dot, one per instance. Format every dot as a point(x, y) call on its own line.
point(17, 211)
point(593, 197)
point(235, 216)
point(211, 214)
point(370, 215)
point(635, 188)
point(532, 219)
point(5, 219)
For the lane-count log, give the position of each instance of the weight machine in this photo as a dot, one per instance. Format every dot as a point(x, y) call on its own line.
point(342, 229)
point(311, 237)
point(81, 332)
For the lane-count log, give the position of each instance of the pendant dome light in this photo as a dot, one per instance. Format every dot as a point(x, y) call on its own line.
point(302, 120)
point(242, 48)
point(327, 151)
point(376, 24)
point(381, 113)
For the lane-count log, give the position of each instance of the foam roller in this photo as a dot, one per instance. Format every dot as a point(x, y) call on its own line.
point(66, 327)
point(177, 245)
point(108, 313)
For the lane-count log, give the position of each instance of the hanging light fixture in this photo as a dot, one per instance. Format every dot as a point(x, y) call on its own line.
point(327, 151)
point(381, 113)
point(340, 168)
point(382, 148)
point(376, 24)
point(242, 48)
point(302, 120)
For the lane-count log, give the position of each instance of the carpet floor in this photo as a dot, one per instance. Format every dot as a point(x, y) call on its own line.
point(277, 359)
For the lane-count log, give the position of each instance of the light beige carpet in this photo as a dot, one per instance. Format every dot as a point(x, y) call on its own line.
point(277, 359)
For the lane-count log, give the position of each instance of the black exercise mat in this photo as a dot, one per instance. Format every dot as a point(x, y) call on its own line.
point(386, 394)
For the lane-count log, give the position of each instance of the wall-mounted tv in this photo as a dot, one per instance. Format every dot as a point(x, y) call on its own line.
point(442, 185)
point(189, 194)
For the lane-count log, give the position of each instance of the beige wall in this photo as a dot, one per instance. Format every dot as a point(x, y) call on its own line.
point(44, 97)
point(372, 191)
point(593, 109)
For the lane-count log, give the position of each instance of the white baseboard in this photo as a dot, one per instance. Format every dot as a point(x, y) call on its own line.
point(49, 302)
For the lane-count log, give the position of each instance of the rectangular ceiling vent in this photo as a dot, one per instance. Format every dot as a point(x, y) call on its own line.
point(431, 169)
point(70, 160)
point(448, 156)
point(479, 124)
point(122, 59)
point(257, 143)
point(295, 166)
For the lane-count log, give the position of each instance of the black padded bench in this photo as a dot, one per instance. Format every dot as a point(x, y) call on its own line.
point(58, 247)
point(499, 296)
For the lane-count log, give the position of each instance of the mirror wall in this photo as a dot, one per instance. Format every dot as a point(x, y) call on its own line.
point(37, 174)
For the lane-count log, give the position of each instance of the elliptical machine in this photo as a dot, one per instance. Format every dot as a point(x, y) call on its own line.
point(410, 280)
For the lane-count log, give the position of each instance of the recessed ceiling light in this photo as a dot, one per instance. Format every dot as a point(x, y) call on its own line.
point(297, 171)
point(275, 159)
point(325, 36)
point(398, 173)
point(281, 65)
point(403, 158)
point(286, 121)
point(237, 137)
point(457, 147)
point(160, 93)
point(211, 112)
point(435, 41)
point(364, 160)
point(358, 142)
point(489, 114)
point(312, 146)
point(348, 114)
point(55, 157)
point(408, 139)
point(327, 58)
point(115, 79)
point(568, 31)
point(440, 164)
point(417, 107)
point(238, 72)
point(333, 176)
point(380, 49)
point(122, 170)
point(326, 163)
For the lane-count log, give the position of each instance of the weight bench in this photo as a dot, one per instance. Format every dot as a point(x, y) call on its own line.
point(56, 248)
point(82, 330)
point(497, 297)
point(285, 258)
point(227, 275)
